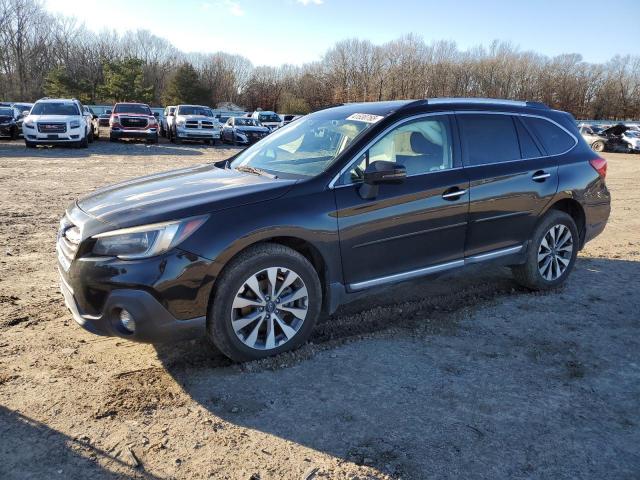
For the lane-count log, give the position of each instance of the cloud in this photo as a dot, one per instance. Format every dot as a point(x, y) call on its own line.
point(231, 6)
point(235, 9)
point(310, 2)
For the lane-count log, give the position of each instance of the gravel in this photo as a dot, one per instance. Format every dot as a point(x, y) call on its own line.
point(462, 376)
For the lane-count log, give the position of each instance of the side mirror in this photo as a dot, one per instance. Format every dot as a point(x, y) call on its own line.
point(24, 113)
point(379, 173)
point(156, 114)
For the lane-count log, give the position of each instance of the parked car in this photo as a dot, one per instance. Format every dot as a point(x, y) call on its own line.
point(250, 251)
point(56, 122)
point(133, 120)
point(91, 118)
point(166, 123)
point(271, 120)
point(103, 118)
point(243, 131)
point(632, 137)
point(9, 118)
point(594, 138)
point(194, 122)
point(615, 140)
point(287, 119)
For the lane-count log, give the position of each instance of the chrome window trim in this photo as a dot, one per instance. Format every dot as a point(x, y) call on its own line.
point(332, 184)
point(440, 267)
point(400, 122)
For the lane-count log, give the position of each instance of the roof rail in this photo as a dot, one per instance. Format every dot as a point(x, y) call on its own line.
point(537, 105)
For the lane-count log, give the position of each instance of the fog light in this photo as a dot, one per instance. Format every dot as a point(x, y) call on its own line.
point(127, 321)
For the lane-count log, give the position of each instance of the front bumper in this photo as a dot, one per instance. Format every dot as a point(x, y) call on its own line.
point(6, 130)
point(154, 324)
point(133, 133)
point(198, 134)
point(34, 136)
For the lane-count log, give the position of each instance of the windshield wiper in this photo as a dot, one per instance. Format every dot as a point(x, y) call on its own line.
point(255, 171)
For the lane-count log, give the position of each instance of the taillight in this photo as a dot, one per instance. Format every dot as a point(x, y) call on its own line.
point(599, 165)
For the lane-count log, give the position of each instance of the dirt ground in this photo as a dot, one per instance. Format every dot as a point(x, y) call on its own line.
point(464, 376)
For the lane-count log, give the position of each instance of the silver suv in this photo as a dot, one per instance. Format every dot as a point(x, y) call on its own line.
point(55, 121)
point(194, 122)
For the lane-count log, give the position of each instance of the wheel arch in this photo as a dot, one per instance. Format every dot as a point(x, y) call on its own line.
point(303, 246)
point(575, 210)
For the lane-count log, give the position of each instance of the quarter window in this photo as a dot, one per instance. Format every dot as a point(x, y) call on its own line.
point(422, 146)
point(554, 139)
point(488, 138)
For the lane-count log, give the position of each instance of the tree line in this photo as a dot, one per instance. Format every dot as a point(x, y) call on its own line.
point(43, 54)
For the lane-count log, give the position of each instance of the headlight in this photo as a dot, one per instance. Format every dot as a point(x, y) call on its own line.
point(74, 124)
point(147, 240)
point(29, 125)
point(180, 121)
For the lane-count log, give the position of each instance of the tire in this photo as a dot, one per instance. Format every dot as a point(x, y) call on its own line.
point(90, 136)
point(29, 144)
point(14, 134)
point(153, 140)
point(233, 285)
point(597, 146)
point(212, 142)
point(84, 143)
point(530, 274)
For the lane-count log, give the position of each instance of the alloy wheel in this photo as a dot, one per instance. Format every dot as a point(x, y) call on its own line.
point(269, 308)
point(554, 252)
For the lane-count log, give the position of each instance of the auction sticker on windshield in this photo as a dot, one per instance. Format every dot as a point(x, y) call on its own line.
point(365, 117)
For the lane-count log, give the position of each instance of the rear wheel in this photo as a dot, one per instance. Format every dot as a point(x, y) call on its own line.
point(598, 146)
point(552, 253)
point(268, 301)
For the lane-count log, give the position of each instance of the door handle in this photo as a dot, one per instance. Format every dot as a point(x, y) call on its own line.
point(540, 176)
point(453, 194)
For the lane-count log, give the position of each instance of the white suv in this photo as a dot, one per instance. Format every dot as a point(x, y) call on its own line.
point(53, 121)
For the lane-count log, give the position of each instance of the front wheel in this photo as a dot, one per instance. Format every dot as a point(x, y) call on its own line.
point(597, 146)
point(552, 253)
point(267, 302)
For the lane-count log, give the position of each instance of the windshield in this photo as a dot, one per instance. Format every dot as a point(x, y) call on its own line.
point(132, 108)
point(246, 122)
point(305, 147)
point(268, 117)
point(55, 108)
point(195, 110)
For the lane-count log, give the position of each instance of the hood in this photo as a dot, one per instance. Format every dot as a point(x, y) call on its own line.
point(198, 117)
point(179, 193)
point(252, 129)
point(615, 130)
point(52, 118)
point(138, 115)
point(5, 118)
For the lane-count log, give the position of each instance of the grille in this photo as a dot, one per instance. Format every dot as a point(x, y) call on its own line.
point(52, 127)
point(68, 242)
point(207, 125)
point(4, 119)
point(192, 124)
point(133, 122)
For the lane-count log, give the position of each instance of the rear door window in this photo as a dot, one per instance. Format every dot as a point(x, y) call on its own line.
point(488, 138)
point(553, 138)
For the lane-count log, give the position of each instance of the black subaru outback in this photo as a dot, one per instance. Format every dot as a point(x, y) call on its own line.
point(251, 250)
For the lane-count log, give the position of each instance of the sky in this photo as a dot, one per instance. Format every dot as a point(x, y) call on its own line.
point(273, 32)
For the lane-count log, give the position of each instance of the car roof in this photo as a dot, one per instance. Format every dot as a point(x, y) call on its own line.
point(56, 100)
point(435, 104)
